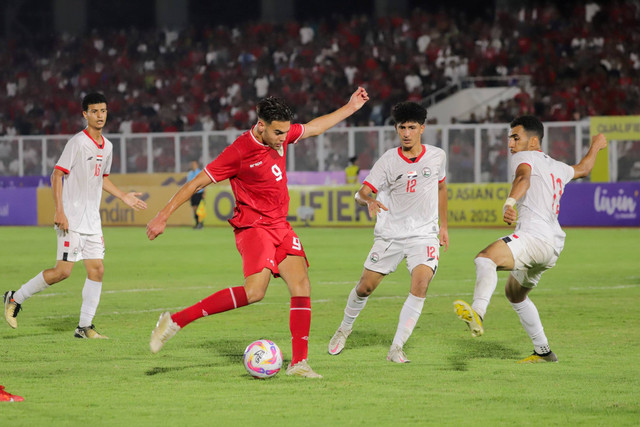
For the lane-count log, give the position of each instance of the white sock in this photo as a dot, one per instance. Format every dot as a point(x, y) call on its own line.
point(530, 320)
point(486, 282)
point(29, 289)
point(90, 300)
point(409, 316)
point(355, 304)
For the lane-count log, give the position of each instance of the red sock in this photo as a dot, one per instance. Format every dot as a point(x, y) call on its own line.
point(299, 324)
point(224, 300)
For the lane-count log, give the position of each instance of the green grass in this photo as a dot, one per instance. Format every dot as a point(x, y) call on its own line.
point(588, 304)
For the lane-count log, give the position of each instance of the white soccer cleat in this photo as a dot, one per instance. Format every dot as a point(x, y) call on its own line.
point(396, 355)
point(469, 316)
point(336, 345)
point(165, 329)
point(302, 369)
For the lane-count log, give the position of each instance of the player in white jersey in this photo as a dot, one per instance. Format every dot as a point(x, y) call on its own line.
point(411, 224)
point(536, 243)
point(77, 182)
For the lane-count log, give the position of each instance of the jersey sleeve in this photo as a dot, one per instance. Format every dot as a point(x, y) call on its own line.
point(377, 177)
point(225, 166)
point(66, 160)
point(296, 131)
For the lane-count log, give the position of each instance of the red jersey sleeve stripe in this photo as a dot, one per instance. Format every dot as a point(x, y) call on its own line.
point(106, 174)
point(442, 180)
point(60, 168)
point(368, 184)
point(210, 176)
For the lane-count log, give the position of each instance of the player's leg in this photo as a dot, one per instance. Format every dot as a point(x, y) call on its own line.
point(67, 253)
point(496, 256)
point(530, 320)
point(194, 207)
point(293, 270)
point(257, 250)
point(411, 310)
point(356, 301)
point(91, 292)
point(539, 256)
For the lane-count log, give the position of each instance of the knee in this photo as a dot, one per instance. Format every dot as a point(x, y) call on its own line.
point(96, 273)
point(364, 289)
point(254, 295)
point(58, 274)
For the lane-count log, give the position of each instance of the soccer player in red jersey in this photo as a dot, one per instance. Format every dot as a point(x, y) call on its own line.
point(255, 166)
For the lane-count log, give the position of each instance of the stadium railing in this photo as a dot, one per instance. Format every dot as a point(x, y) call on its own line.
point(476, 152)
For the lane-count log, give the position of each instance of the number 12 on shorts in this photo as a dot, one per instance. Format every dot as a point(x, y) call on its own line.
point(431, 251)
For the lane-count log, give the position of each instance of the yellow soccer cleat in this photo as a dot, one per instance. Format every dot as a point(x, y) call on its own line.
point(537, 358)
point(469, 316)
point(89, 332)
point(11, 309)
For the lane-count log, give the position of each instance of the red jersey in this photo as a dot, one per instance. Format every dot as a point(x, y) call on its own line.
point(258, 178)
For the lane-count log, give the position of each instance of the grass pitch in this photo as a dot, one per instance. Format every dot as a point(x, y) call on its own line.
point(588, 304)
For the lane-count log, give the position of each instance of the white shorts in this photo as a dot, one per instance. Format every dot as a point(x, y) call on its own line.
point(74, 246)
point(386, 255)
point(531, 257)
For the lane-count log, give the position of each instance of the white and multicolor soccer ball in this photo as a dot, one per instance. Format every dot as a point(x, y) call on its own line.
point(263, 359)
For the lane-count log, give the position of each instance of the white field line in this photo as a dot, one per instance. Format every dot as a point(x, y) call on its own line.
point(317, 301)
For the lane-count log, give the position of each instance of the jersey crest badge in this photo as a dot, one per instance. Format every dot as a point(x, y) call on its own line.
point(374, 257)
point(426, 172)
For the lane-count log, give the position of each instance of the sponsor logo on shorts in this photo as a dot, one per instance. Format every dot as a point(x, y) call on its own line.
point(426, 172)
point(374, 257)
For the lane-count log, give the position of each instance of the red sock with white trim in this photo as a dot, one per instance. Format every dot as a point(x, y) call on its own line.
point(224, 300)
point(299, 324)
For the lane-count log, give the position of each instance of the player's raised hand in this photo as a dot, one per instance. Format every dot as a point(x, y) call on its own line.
point(359, 98)
point(599, 142)
point(131, 199)
point(156, 227)
point(375, 207)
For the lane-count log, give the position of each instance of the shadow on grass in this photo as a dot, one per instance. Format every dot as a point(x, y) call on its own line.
point(368, 338)
point(230, 349)
point(468, 350)
point(163, 370)
point(60, 325)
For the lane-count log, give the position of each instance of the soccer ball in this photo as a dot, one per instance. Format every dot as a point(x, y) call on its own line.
point(263, 359)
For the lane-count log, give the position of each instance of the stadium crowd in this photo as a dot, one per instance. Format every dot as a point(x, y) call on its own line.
point(581, 63)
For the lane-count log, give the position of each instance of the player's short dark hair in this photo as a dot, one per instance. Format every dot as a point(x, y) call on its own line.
point(273, 109)
point(404, 112)
point(530, 124)
point(93, 98)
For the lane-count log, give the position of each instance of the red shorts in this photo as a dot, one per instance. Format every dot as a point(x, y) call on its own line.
point(266, 248)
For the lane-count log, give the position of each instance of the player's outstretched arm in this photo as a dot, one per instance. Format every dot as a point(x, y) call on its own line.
point(131, 199)
point(59, 218)
point(363, 198)
point(320, 124)
point(156, 226)
point(582, 169)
